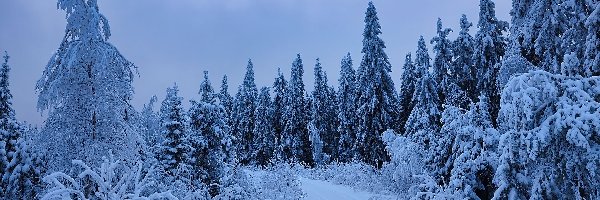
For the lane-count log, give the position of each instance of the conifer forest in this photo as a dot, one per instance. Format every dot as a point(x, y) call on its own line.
point(509, 112)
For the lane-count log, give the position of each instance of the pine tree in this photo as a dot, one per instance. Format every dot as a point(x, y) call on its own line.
point(377, 104)
point(279, 97)
point(347, 105)
point(86, 87)
point(174, 148)
point(243, 118)
point(489, 48)
point(209, 137)
point(442, 59)
point(296, 145)
point(264, 147)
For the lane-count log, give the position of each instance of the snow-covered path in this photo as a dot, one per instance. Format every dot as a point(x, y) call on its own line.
point(322, 190)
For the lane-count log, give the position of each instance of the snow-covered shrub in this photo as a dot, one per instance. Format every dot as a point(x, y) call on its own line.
point(236, 186)
point(550, 143)
point(111, 181)
point(406, 163)
point(279, 182)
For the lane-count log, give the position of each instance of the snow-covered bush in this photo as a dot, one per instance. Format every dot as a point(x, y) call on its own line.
point(279, 182)
point(236, 186)
point(111, 181)
point(405, 165)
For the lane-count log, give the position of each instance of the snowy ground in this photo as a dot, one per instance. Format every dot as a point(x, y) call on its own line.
point(323, 190)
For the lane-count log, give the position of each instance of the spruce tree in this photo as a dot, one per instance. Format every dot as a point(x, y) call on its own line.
point(209, 137)
point(225, 98)
point(407, 89)
point(20, 165)
point(86, 87)
point(9, 129)
point(592, 43)
point(489, 48)
point(296, 145)
point(243, 118)
point(424, 121)
point(264, 147)
point(347, 105)
point(462, 68)
point(413, 73)
point(279, 98)
point(174, 148)
point(377, 104)
point(323, 121)
point(442, 60)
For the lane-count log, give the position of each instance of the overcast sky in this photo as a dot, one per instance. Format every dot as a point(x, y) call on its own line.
point(174, 41)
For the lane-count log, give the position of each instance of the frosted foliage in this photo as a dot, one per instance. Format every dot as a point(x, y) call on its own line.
point(111, 181)
point(552, 139)
point(86, 87)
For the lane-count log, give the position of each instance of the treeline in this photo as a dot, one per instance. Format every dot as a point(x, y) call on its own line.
point(509, 113)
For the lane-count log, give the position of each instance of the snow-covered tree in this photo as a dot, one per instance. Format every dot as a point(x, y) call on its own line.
point(225, 98)
point(150, 123)
point(23, 173)
point(279, 98)
point(347, 105)
point(377, 100)
point(442, 60)
point(424, 121)
point(264, 147)
point(9, 129)
point(469, 159)
point(295, 139)
point(323, 124)
point(549, 141)
point(411, 77)
point(462, 69)
point(243, 117)
point(86, 87)
point(209, 137)
point(489, 48)
point(174, 149)
point(592, 41)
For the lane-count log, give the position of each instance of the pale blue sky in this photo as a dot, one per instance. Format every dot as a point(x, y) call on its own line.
point(174, 41)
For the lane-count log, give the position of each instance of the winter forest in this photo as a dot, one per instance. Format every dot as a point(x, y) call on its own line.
point(511, 112)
